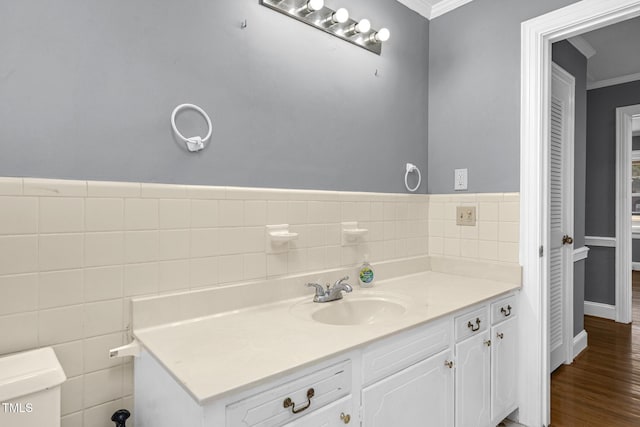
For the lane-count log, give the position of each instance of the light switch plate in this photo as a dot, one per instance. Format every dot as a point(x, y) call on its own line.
point(460, 178)
point(466, 215)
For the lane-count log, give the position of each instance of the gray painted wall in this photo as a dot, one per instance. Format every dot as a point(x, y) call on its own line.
point(636, 143)
point(575, 63)
point(600, 217)
point(635, 250)
point(87, 88)
point(474, 93)
point(600, 275)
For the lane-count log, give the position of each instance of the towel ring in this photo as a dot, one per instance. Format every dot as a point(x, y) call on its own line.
point(412, 168)
point(195, 143)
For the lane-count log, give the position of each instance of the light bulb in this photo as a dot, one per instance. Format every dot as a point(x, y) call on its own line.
point(363, 26)
point(315, 5)
point(340, 16)
point(381, 36)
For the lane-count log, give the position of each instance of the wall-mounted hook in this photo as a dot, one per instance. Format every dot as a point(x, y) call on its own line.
point(243, 24)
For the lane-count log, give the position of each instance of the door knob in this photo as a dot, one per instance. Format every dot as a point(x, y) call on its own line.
point(567, 240)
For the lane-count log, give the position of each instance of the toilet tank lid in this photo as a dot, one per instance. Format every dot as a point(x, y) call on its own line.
point(29, 372)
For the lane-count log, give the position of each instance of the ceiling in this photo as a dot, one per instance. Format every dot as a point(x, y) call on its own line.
point(613, 53)
point(433, 8)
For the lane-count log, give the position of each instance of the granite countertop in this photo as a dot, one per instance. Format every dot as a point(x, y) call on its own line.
point(214, 356)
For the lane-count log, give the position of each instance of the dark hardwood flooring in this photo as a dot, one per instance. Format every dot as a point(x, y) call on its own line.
point(602, 386)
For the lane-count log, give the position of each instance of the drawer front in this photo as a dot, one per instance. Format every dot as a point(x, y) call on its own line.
point(396, 353)
point(471, 323)
point(334, 414)
point(504, 309)
point(267, 408)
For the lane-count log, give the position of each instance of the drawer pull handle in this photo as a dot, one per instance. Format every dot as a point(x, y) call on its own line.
point(289, 403)
point(500, 335)
point(477, 327)
point(345, 417)
point(506, 312)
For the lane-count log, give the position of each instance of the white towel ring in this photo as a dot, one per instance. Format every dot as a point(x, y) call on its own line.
point(412, 168)
point(195, 143)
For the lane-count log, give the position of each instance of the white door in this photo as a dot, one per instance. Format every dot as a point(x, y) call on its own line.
point(473, 381)
point(561, 218)
point(418, 396)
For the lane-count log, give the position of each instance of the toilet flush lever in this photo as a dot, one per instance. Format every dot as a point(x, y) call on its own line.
point(131, 349)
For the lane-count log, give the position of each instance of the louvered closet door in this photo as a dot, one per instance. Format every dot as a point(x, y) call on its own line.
point(560, 254)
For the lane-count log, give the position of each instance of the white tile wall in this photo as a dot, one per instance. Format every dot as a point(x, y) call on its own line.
point(495, 236)
point(73, 253)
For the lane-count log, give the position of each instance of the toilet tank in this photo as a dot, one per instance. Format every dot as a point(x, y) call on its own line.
point(30, 389)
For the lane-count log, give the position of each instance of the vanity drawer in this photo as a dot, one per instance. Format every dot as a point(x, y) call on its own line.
point(471, 323)
point(503, 309)
point(394, 354)
point(267, 408)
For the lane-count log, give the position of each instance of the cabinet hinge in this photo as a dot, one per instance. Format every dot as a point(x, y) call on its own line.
point(541, 251)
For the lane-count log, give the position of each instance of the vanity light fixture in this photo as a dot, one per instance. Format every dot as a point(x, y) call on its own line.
point(335, 22)
point(364, 26)
point(382, 35)
point(340, 16)
point(313, 6)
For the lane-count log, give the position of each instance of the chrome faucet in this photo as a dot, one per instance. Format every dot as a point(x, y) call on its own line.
point(332, 293)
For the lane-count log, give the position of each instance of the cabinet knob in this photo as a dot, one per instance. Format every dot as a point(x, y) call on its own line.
point(448, 364)
point(345, 417)
point(500, 335)
point(567, 240)
point(487, 343)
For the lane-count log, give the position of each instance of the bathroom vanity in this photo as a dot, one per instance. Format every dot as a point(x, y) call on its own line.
point(426, 349)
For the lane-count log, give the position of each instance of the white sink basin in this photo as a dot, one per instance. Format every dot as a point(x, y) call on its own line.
point(352, 310)
point(358, 312)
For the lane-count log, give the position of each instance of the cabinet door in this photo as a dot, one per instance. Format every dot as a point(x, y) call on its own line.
point(418, 396)
point(504, 368)
point(473, 381)
point(337, 414)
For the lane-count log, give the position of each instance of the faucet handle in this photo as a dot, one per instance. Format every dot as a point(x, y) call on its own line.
point(319, 288)
point(344, 279)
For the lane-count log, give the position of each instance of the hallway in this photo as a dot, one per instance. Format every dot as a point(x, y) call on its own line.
point(602, 387)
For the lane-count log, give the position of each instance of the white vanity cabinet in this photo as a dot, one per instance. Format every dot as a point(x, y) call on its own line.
point(486, 364)
point(420, 395)
point(473, 365)
point(408, 379)
point(504, 356)
point(458, 370)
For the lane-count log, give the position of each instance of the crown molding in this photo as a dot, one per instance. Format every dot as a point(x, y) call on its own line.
point(612, 82)
point(433, 8)
point(422, 7)
point(444, 6)
point(582, 45)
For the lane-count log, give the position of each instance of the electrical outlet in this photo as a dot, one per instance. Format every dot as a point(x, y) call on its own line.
point(466, 215)
point(460, 179)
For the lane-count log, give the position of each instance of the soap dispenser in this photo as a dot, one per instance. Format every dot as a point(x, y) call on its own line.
point(365, 274)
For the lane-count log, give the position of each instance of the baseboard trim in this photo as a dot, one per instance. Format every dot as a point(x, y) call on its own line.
point(606, 311)
point(579, 343)
point(635, 266)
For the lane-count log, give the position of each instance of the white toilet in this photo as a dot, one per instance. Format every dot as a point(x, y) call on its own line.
point(30, 389)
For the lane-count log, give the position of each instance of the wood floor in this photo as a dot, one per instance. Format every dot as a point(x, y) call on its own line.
point(602, 387)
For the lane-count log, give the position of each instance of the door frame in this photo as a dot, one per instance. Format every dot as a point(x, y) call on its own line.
point(537, 35)
point(624, 132)
point(568, 215)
